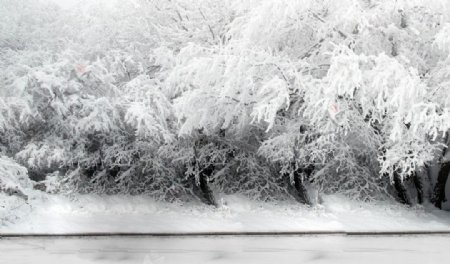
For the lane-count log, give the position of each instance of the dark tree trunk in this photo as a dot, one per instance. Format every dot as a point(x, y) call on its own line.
point(402, 193)
point(419, 187)
point(302, 193)
point(298, 189)
point(202, 189)
point(429, 179)
point(438, 196)
point(439, 189)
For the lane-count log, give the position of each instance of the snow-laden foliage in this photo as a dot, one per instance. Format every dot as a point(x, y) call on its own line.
point(381, 92)
point(13, 178)
point(251, 97)
point(228, 89)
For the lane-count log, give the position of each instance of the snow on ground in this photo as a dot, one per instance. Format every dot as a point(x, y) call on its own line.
point(56, 214)
point(288, 249)
point(12, 209)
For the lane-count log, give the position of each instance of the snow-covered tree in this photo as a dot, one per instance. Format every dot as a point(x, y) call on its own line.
point(265, 98)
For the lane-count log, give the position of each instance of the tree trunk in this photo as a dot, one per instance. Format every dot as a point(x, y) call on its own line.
point(302, 193)
point(438, 196)
point(419, 187)
point(429, 179)
point(439, 189)
point(402, 193)
point(202, 189)
point(297, 188)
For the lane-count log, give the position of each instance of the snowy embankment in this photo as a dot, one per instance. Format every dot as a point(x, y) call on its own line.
point(53, 214)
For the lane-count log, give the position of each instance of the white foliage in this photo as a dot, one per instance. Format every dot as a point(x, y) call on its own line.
point(45, 155)
point(271, 97)
point(13, 176)
point(229, 90)
point(98, 115)
point(442, 39)
point(148, 110)
point(382, 89)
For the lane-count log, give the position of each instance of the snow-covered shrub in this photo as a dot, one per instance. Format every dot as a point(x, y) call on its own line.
point(13, 178)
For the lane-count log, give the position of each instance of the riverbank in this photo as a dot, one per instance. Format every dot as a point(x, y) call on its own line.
point(57, 214)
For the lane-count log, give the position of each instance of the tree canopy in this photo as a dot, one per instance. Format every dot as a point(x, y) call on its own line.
point(252, 97)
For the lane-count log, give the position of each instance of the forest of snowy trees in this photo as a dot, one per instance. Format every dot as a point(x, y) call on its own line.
point(186, 99)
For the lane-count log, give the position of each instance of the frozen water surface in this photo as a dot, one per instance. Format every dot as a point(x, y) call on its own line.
point(265, 249)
